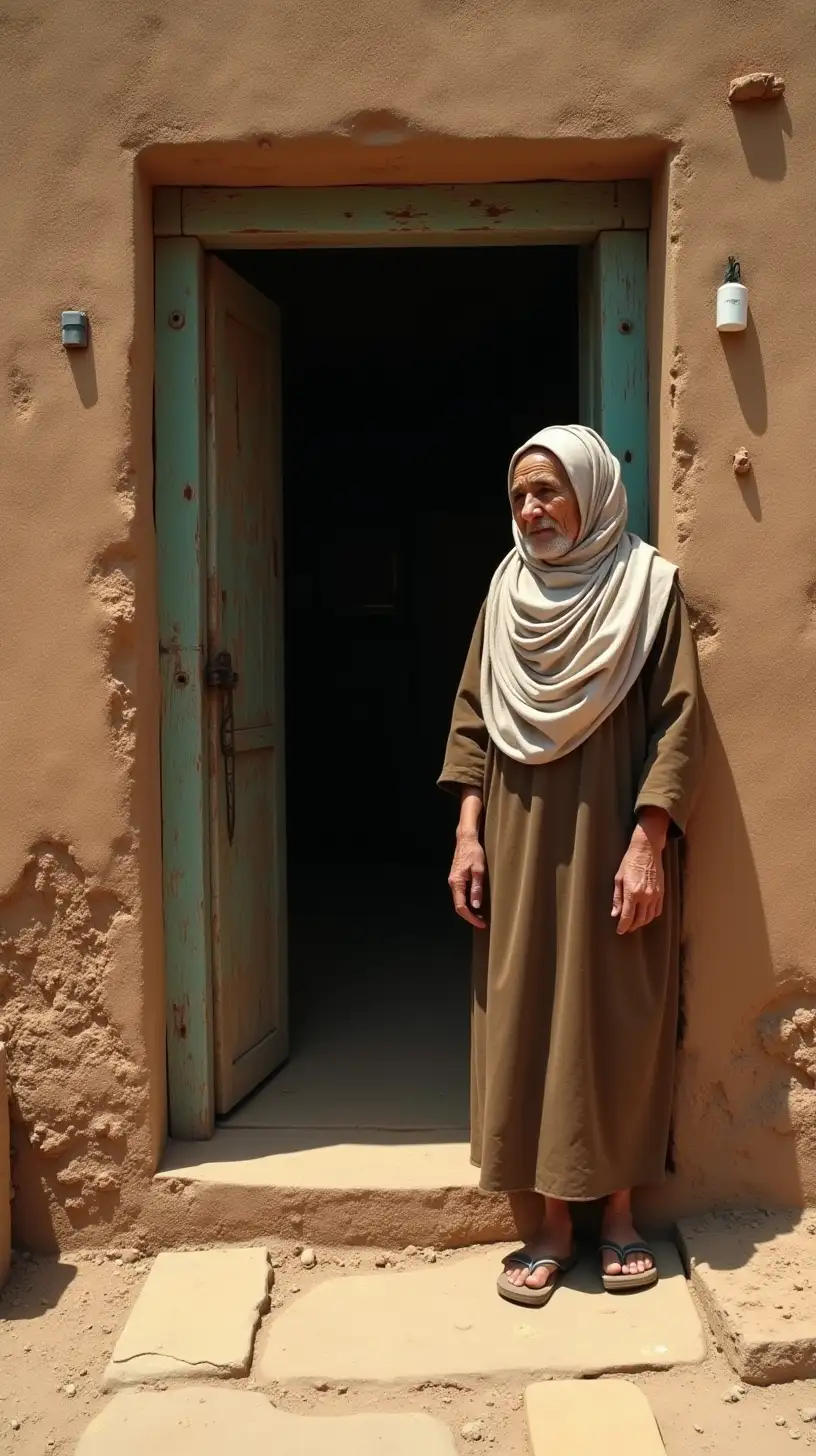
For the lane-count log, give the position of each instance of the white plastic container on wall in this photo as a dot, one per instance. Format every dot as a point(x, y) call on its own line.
point(732, 301)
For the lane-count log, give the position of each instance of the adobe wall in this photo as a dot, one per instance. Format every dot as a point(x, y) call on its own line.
point(5, 1173)
point(103, 97)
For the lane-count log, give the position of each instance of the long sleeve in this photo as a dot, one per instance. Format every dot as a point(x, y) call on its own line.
point(466, 753)
point(674, 717)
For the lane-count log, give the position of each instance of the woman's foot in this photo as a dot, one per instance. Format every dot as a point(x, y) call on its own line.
point(617, 1228)
point(554, 1241)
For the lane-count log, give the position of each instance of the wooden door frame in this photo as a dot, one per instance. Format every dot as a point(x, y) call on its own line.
point(610, 219)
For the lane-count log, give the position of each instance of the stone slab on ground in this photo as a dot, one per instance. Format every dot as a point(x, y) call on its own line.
point(583, 1418)
point(195, 1318)
point(212, 1422)
point(755, 1274)
point(447, 1320)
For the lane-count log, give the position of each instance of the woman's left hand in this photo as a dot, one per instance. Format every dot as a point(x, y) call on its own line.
point(640, 883)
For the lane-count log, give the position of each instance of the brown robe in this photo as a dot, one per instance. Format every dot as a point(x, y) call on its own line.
point(574, 1027)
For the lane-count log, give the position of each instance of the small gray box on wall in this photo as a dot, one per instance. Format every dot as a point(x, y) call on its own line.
point(74, 328)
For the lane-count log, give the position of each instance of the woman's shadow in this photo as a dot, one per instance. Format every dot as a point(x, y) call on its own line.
point(735, 1123)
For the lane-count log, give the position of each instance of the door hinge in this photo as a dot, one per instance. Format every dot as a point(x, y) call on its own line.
point(219, 673)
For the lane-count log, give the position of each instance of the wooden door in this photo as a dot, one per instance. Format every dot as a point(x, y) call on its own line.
point(245, 716)
point(614, 358)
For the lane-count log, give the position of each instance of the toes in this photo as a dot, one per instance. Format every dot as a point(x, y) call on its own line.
point(540, 1277)
point(637, 1264)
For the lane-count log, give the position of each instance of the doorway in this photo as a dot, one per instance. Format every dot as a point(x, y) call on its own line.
point(341, 377)
point(408, 377)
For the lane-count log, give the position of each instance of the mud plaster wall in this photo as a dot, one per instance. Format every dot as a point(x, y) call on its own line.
point(100, 98)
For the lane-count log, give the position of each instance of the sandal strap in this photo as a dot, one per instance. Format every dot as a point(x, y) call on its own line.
point(624, 1251)
point(524, 1261)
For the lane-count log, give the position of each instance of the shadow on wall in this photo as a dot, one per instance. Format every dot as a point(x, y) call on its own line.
point(743, 355)
point(83, 368)
point(749, 489)
point(744, 1083)
point(762, 131)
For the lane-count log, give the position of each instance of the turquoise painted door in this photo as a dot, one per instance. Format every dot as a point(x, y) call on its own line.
point(614, 358)
point(245, 716)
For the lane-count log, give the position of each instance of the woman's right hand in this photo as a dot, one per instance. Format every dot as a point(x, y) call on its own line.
point(467, 878)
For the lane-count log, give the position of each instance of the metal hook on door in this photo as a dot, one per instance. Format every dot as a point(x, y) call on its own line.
point(221, 677)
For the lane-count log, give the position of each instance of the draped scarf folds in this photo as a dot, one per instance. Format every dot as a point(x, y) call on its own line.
point(565, 640)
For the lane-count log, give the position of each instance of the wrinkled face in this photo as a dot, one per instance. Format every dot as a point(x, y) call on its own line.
point(545, 507)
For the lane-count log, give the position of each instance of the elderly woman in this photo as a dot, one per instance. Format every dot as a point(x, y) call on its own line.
point(576, 747)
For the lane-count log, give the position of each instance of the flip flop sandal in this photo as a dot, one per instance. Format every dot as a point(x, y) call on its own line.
point(617, 1283)
point(522, 1293)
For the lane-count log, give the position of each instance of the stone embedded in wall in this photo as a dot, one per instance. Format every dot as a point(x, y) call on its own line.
point(757, 86)
point(49, 1142)
point(108, 1129)
point(788, 1031)
point(75, 1090)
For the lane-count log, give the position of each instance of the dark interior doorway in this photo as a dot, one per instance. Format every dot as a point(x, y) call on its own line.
point(409, 377)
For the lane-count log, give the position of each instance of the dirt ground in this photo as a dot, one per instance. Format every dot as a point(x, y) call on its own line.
point(60, 1319)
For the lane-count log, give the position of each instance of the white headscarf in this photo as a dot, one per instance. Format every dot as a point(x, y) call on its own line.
point(565, 640)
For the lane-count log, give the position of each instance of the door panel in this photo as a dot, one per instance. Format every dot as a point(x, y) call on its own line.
point(180, 527)
point(245, 739)
point(614, 358)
